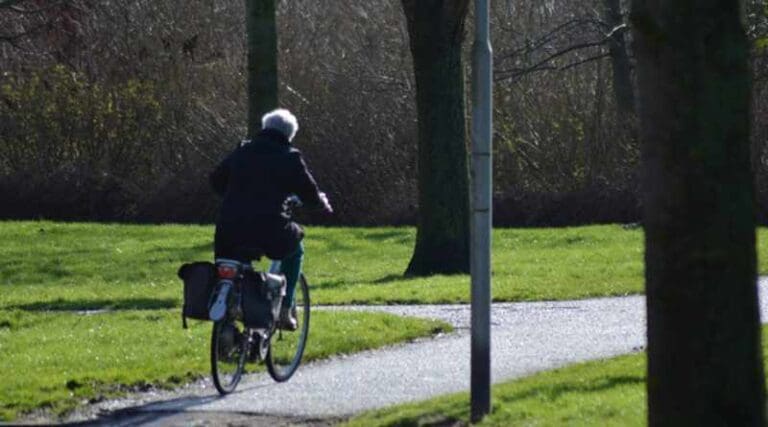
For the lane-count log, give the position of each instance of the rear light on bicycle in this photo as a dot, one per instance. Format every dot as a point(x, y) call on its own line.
point(226, 271)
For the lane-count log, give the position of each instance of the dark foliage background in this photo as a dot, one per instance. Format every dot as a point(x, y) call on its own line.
point(118, 110)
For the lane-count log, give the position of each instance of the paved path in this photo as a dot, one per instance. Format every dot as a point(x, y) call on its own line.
point(527, 337)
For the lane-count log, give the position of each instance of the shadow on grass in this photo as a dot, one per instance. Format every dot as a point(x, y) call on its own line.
point(553, 392)
point(403, 236)
point(186, 253)
point(342, 283)
point(99, 304)
point(450, 413)
point(332, 284)
point(43, 271)
point(432, 420)
point(389, 278)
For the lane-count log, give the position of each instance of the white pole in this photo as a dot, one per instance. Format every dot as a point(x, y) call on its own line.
point(481, 169)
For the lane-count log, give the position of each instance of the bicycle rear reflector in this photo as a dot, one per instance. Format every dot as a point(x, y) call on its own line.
point(226, 271)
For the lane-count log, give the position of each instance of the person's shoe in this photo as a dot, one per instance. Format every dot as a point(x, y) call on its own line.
point(287, 320)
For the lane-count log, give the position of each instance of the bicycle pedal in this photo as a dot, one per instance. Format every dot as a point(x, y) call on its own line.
point(259, 346)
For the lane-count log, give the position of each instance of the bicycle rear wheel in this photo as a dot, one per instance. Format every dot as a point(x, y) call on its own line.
point(229, 348)
point(286, 348)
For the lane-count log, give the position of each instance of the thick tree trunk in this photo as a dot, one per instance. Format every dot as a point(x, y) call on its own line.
point(262, 61)
point(704, 354)
point(436, 31)
point(623, 88)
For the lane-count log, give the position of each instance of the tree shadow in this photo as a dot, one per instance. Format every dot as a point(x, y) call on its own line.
point(432, 420)
point(99, 304)
point(343, 283)
point(185, 252)
point(389, 278)
point(333, 284)
point(555, 391)
point(46, 269)
point(146, 414)
point(549, 392)
point(386, 235)
point(154, 412)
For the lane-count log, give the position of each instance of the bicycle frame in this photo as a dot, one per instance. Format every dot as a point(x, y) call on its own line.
point(274, 266)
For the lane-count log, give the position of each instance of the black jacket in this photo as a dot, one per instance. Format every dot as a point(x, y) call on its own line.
point(254, 181)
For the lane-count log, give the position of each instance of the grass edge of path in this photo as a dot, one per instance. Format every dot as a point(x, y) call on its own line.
point(75, 376)
point(606, 392)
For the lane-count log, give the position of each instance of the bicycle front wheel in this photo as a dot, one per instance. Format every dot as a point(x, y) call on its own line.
point(229, 347)
point(286, 348)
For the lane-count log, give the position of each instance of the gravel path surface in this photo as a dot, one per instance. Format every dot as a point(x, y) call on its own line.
point(526, 338)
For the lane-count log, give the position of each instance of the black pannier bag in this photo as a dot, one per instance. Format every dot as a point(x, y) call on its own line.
point(257, 304)
point(199, 280)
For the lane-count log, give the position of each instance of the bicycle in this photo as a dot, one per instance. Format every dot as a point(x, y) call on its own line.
point(233, 343)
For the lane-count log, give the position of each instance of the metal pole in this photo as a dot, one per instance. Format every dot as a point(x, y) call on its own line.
point(482, 125)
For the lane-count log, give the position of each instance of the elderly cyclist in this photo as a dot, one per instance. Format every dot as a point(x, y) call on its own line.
point(255, 180)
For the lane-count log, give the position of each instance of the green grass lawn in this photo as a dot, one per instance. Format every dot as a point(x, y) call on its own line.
point(54, 357)
point(607, 392)
point(58, 353)
point(58, 360)
point(47, 265)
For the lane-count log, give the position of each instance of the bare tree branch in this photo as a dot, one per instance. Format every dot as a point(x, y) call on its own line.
point(584, 61)
point(618, 29)
point(18, 9)
point(13, 5)
point(12, 38)
point(547, 37)
point(542, 64)
point(9, 3)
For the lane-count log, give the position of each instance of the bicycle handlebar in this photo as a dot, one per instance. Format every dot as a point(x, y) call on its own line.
point(293, 201)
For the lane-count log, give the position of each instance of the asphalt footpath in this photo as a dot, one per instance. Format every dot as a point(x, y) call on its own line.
point(526, 338)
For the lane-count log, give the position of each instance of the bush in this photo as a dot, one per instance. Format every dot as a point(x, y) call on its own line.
point(118, 110)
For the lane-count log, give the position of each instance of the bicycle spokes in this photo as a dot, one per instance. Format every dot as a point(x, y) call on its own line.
point(287, 346)
point(229, 346)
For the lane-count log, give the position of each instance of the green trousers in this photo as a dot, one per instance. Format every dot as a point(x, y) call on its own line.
point(290, 267)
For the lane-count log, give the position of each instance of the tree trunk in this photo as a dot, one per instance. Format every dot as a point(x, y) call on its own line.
point(623, 89)
point(704, 354)
point(435, 29)
point(262, 61)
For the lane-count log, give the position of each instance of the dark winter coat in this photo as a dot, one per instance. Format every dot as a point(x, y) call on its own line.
point(254, 181)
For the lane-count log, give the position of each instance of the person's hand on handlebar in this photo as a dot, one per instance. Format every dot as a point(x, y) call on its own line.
point(293, 201)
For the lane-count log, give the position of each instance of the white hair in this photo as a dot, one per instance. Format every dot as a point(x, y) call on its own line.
point(281, 120)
